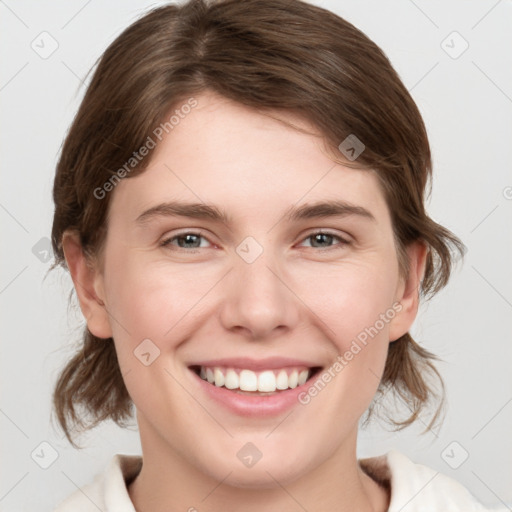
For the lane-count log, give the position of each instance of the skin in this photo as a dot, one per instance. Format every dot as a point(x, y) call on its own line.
point(301, 297)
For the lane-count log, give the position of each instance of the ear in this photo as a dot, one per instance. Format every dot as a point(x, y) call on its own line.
point(88, 285)
point(408, 291)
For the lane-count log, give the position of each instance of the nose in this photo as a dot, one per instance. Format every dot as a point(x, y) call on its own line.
point(259, 301)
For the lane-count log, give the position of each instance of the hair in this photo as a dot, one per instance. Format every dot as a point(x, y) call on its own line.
point(269, 55)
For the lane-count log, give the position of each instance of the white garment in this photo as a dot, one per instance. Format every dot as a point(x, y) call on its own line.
point(414, 487)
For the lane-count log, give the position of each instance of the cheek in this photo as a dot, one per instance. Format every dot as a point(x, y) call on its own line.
point(146, 303)
point(355, 307)
point(153, 300)
point(353, 299)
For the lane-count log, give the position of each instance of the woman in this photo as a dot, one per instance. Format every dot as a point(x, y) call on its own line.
point(240, 204)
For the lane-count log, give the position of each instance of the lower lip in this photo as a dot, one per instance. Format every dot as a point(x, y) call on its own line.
point(253, 406)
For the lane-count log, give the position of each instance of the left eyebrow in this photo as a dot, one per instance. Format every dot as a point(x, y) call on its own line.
point(335, 208)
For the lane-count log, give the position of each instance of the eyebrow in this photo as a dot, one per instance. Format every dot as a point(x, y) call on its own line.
point(180, 209)
point(333, 208)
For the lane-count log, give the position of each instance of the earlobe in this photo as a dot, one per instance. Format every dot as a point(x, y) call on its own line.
point(87, 284)
point(408, 294)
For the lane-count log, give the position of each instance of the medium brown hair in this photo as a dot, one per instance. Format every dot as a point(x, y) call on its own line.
point(270, 55)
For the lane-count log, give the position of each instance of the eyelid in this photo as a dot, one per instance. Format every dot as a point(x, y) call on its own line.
point(168, 238)
point(345, 238)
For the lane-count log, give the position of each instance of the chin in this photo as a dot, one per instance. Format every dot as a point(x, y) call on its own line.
point(263, 477)
point(268, 469)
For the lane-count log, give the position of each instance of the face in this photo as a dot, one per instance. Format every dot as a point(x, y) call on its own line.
point(244, 255)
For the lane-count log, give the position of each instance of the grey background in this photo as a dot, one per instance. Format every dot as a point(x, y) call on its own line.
point(466, 101)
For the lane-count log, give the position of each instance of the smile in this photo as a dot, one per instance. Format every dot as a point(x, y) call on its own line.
point(267, 381)
point(254, 388)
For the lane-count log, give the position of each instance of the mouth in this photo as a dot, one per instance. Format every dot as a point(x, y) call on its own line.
point(264, 382)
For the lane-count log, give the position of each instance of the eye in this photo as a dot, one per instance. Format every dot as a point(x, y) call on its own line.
point(195, 240)
point(321, 239)
point(187, 240)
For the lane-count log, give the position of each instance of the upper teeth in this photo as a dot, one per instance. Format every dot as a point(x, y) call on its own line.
point(247, 380)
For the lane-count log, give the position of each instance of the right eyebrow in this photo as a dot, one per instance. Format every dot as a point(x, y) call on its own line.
point(177, 208)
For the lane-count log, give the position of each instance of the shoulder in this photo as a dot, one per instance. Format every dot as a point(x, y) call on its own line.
point(418, 488)
point(108, 491)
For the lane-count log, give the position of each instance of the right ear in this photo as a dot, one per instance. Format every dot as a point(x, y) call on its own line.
point(88, 283)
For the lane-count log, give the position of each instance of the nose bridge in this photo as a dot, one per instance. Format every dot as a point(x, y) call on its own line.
point(257, 299)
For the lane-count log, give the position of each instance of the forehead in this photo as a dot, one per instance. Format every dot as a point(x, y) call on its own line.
point(247, 162)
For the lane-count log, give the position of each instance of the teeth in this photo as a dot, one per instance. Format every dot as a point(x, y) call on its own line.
point(267, 381)
point(293, 379)
point(303, 377)
point(248, 381)
point(219, 377)
point(231, 380)
point(282, 380)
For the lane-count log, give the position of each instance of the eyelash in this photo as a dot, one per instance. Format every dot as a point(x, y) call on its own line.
point(168, 242)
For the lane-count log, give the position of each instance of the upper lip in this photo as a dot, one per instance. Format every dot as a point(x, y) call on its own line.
point(269, 363)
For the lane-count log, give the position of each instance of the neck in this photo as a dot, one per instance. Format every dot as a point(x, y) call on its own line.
point(169, 482)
